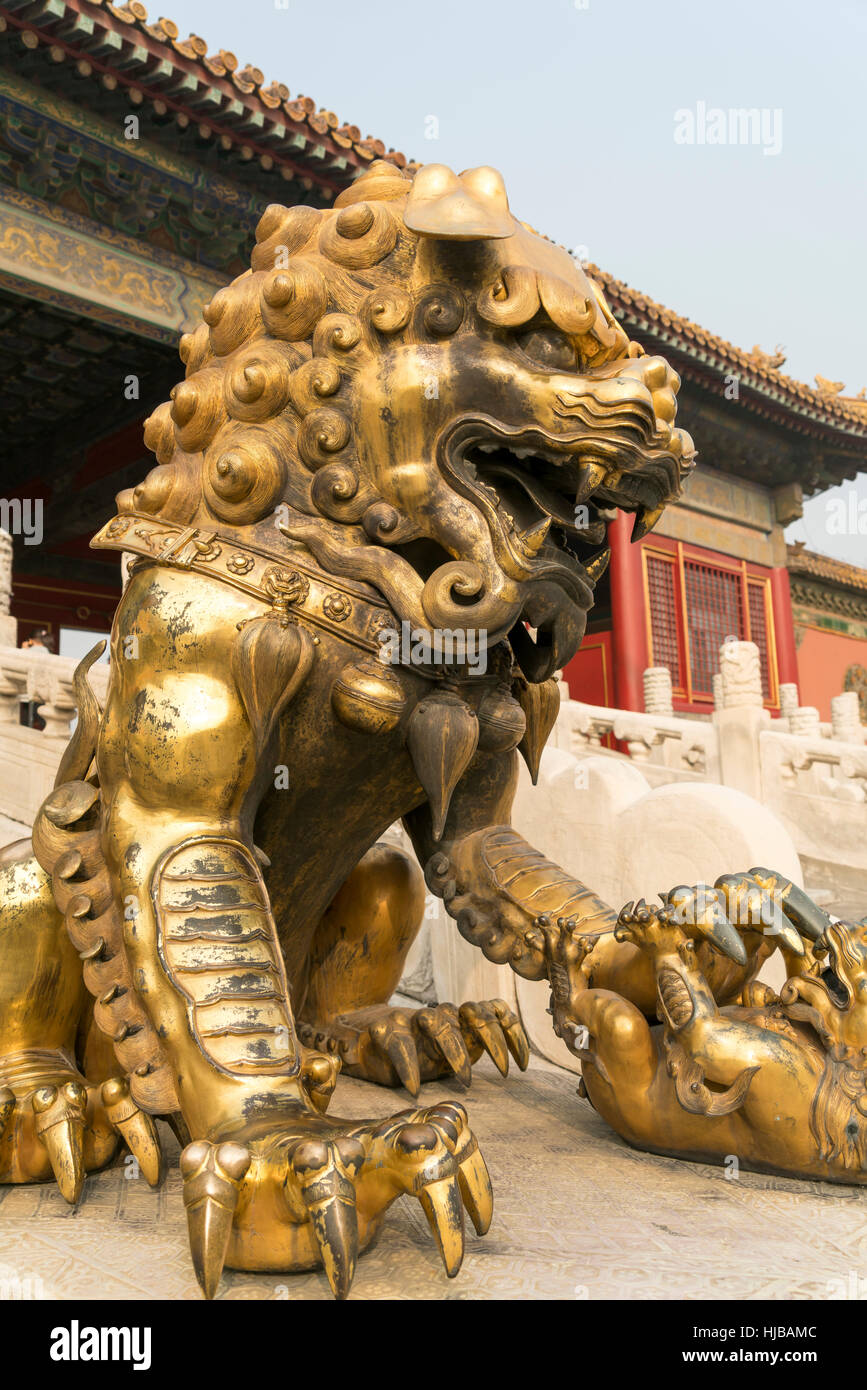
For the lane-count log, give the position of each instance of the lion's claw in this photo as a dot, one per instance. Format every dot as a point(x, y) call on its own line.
point(59, 1118)
point(316, 1192)
point(738, 905)
point(212, 1176)
point(685, 913)
point(135, 1127)
point(498, 1031)
point(394, 1039)
point(398, 1046)
point(65, 1127)
point(441, 1029)
point(326, 1174)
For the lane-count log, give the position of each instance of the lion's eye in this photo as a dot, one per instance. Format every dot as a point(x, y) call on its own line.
point(550, 348)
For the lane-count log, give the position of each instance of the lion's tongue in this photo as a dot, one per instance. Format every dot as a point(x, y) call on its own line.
point(545, 501)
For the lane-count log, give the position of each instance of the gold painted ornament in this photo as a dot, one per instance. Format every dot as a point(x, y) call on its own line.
point(442, 736)
point(369, 697)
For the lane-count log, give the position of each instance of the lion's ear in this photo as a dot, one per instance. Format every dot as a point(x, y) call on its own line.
point(468, 207)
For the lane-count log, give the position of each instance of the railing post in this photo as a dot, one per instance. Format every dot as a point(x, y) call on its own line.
point(789, 700)
point(846, 717)
point(657, 691)
point(8, 625)
point(805, 722)
point(741, 718)
point(10, 698)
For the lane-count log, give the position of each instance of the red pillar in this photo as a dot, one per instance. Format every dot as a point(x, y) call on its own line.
point(628, 615)
point(784, 626)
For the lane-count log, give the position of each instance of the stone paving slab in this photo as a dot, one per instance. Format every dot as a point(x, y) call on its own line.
point(578, 1215)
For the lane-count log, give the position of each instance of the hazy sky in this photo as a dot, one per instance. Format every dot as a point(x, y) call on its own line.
point(575, 101)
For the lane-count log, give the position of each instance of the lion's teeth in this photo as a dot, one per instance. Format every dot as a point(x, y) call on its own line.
point(598, 565)
point(645, 520)
point(590, 475)
point(488, 448)
point(534, 537)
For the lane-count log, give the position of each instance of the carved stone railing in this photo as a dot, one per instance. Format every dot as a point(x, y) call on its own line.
point(667, 748)
point(817, 786)
point(811, 775)
point(30, 757)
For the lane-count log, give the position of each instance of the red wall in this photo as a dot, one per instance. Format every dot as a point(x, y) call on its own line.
point(823, 659)
point(589, 674)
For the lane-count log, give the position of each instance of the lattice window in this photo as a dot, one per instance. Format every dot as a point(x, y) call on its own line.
point(757, 599)
point(714, 611)
point(662, 592)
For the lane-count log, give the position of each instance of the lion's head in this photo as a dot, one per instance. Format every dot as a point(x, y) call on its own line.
point(832, 993)
point(431, 398)
point(831, 996)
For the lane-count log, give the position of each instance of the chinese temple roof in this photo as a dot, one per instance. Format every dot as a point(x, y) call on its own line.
point(836, 422)
point(838, 573)
point(118, 52)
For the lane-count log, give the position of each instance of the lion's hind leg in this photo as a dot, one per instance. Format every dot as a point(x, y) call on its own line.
point(356, 962)
point(53, 1121)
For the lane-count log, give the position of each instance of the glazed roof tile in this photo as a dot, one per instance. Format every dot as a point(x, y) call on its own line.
point(799, 560)
point(848, 413)
point(152, 59)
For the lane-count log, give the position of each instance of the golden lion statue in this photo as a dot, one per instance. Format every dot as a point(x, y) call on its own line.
point(394, 451)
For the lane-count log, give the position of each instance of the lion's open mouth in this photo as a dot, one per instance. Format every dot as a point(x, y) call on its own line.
point(835, 984)
point(536, 493)
point(548, 502)
point(559, 495)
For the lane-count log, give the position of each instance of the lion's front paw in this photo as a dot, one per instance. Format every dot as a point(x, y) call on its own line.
point(398, 1046)
point(315, 1192)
